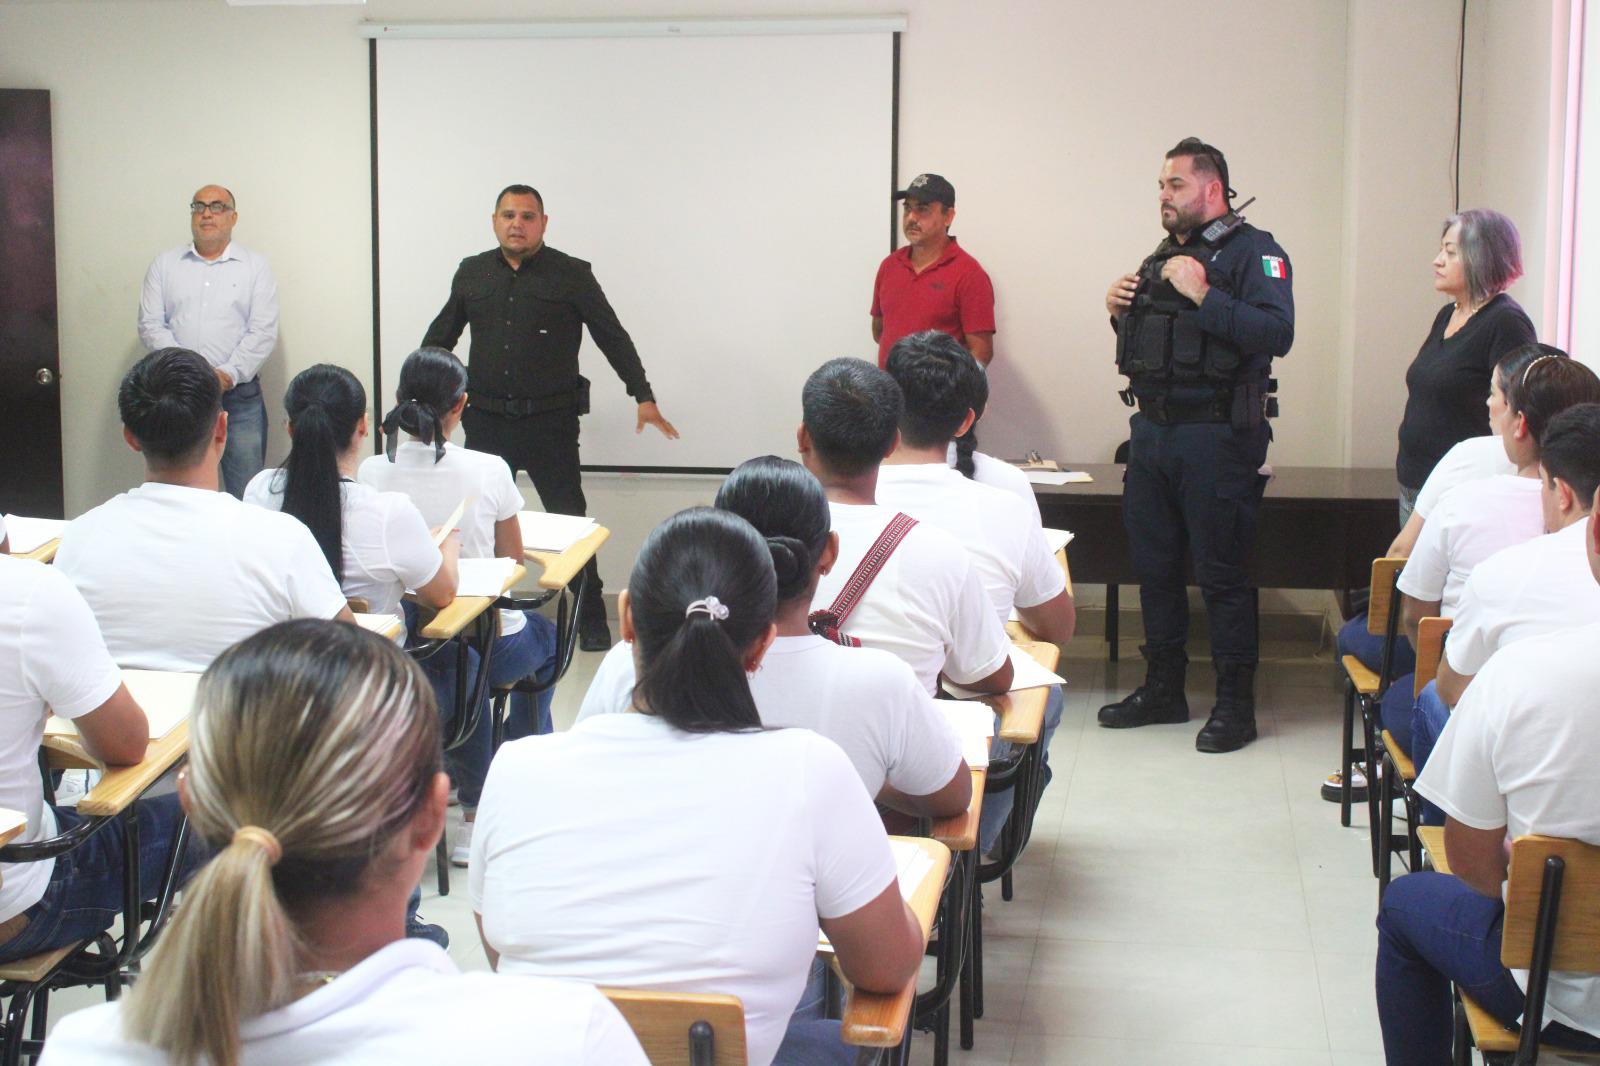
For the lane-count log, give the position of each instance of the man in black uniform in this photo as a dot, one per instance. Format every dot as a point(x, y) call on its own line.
point(1197, 329)
point(527, 305)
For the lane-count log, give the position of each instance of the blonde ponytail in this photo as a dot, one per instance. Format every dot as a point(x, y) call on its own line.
point(313, 743)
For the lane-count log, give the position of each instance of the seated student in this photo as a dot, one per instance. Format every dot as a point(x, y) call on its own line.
point(1478, 518)
point(175, 570)
point(1006, 540)
point(1517, 757)
point(55, 662)
point(684, 847)
point(1467, 460)
point(864, 700)
point(314, 772)
point(1535, 587)
point(964, 458)
point(437, 475)
point(926, 604)
point(376, 543)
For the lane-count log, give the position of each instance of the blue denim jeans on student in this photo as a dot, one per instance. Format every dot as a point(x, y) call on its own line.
point(84, 896)
point(1394, 710)
point(1428, 717)
point(997, 805)
point(812, 1038)
point(246, 452)
point(1432, 930)
point(1368, 648)
point(529, 652)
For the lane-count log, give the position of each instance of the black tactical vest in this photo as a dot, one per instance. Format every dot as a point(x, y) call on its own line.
point(1159, 341)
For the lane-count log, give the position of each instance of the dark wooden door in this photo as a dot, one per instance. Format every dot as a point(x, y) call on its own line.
point(30, 360)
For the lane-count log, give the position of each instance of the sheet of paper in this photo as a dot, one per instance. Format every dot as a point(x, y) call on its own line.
point(1057, 539)
point(1058, 477)
point(553, 532)
point(10, 819)
point(26, 534)
point(974, 724)
point(451, 524)
point(385, 625)
point(911, 865)
point(483, 577)
point(167, 698)
point(1025, 674)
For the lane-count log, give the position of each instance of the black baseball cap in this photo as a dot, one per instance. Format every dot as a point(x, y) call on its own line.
point(929, 189)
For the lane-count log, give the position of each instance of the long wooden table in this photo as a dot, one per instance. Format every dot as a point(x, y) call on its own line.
point(1318, 528)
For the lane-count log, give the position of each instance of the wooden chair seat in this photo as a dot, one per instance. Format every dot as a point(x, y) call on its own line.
point(1491, 1037)
point(662, 1022)
point(1364, 679)
point(36, 968)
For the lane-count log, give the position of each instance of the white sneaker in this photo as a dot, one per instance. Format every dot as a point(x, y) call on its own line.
point(463, 846)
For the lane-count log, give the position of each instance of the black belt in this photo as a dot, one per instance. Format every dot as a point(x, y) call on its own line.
point(1167, 412)
point(522, 406)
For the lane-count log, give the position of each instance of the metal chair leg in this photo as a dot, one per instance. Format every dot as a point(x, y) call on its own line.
point(1346, 762)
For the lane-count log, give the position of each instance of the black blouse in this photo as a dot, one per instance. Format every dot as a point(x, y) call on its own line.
point(1447, 385)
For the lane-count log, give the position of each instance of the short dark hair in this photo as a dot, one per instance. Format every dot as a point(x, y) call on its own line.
point(934, 373)
point(1548, 386)
point(169, 402)
point(691, 663)
point(1490, 249)
point(1207, 161)
point(851, 409)
point(1570, 450)
point(786, 504)
point(324, 404)
point(519, 190)
point(431, 381)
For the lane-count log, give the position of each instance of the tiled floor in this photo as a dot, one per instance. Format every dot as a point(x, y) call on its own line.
point(1172, 907)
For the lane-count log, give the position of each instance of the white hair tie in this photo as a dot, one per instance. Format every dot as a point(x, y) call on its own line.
point(710, 605)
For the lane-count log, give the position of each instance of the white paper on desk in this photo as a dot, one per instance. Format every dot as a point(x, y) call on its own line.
point(1026, 673)
point(28, 534)
point(451, 524)
point(974, 724)
point(483, 577)
point(1057, 539)
point(911, 865)
point(166, 696)
point(385, 625)
point(543, 532)
point(1058, 477)
point(10, 819)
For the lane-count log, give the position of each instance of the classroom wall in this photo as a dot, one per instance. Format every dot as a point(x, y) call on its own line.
point(1050, 118)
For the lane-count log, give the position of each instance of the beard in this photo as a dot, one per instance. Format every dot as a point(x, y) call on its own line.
point(1181, 220)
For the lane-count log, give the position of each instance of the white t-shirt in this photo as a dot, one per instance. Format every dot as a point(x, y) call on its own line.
point(406, 1002)
point(674, 861)
point(987, 470)
point(1538, 586)
point(927, 605)
point(1467, 460)
point(51, 659)
point(1472, 522)
point(864, 700)
point(438, 488)
point(1004, 537)
point(387, 546)
point(1520, 753)
point(177, 575)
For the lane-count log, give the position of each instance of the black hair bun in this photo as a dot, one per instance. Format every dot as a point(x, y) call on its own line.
point(792, 563)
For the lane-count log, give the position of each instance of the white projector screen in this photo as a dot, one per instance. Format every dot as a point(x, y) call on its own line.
point(733, 194)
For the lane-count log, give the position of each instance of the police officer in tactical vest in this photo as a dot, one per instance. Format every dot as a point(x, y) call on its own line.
point(1198, 326)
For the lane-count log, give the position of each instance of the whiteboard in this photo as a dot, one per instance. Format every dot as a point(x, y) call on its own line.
point(732, 193)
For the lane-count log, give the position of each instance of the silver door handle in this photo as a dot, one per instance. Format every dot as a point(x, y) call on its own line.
point(44, 376)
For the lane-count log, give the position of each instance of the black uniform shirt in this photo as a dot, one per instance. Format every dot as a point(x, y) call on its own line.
point(527, 325)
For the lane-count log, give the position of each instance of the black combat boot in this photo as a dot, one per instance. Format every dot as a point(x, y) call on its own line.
point(1160, 699)
point(1232, 724)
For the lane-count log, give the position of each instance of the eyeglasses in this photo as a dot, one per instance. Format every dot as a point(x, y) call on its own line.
point(216, 207)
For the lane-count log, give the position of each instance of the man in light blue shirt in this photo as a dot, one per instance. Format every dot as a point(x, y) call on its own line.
point(220, 299)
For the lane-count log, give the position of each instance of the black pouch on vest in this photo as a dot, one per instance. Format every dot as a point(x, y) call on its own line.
point(580, 396)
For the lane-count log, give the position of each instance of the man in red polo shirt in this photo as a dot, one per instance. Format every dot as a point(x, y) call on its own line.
point(932, 283)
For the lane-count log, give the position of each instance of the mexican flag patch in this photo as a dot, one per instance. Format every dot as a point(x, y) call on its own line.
point(1273, 266)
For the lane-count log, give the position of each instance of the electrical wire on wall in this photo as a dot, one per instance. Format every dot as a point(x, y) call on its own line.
point(1455, 148)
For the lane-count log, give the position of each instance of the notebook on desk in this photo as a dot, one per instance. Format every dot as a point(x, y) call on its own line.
point(1025, 671)
point(29, 534)
point(166, 696)
point(545, 532)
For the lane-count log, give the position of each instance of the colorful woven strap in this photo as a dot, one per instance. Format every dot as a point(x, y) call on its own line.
point(828, 623)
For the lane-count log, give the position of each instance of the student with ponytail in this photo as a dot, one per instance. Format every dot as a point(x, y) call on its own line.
point(683, 846)
point(863, 699)
point(420, 461)
point(376, 542)
point(314, 772)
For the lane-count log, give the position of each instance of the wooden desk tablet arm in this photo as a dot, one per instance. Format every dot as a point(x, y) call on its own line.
point(564, 575)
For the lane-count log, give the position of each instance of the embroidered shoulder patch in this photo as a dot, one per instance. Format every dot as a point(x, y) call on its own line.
point(1273, 266)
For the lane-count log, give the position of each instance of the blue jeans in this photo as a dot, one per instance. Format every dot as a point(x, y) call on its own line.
point(84, 896)
point(1428, 717)
point(1395, 710)
point(997, 805)
point(246, 452)
point(1434, 930)
point(529, 652)
point(813, 1039)
point(1355, 640)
